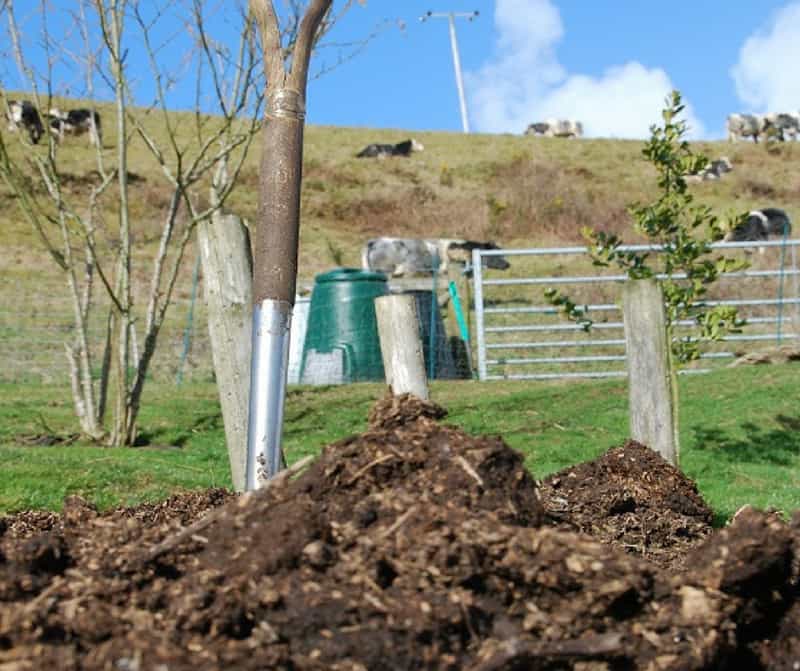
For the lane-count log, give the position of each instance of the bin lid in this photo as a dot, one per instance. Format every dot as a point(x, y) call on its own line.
point(350, 275)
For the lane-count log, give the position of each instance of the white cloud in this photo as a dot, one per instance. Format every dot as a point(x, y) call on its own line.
point(525, 82)
point(765, 75)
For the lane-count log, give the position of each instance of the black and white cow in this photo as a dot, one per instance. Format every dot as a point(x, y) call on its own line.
point(713, 171)
point(383, 150)
point(414, 256)
point(760, 225)
point(77, 122)
point(785, 125)
point(23, 114)
point(743, 126)
point(537, 128)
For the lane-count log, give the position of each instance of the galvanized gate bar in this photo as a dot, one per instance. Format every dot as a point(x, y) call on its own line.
point(572, 359)
point(765, 336)
point(624, 278)
point(550, 251)
point(604, 374)
point(583, 359)
point(554, 343)
point(608, 325)
point(613, 307)
point(559, 376)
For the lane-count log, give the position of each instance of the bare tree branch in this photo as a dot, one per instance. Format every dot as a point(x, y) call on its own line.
point(90, 235)
point(306, 39)
point(268, 27)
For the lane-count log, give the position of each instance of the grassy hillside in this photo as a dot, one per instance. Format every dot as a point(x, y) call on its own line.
point(516, 190)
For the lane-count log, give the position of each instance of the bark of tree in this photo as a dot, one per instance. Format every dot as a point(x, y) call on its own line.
point(277, 230)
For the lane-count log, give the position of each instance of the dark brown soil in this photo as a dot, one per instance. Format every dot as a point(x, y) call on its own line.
point(412, 546)
point(633, 499)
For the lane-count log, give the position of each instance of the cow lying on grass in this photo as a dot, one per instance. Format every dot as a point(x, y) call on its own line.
point(761, 225)
point(400, 257)
point(384, 150)
point(713, 171)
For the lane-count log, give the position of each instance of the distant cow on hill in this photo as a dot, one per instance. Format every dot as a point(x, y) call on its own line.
point(23, 114)
point(714, 170)
point(743, 126)
point(778, 126)
point(786, 125)
point(383, 150)
point(760, 225)
point(413, 256)
point(556, 128)
point(77, 122)
point(537, 128)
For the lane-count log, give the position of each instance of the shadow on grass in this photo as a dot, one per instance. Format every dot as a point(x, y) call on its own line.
point(173, 437)
point(778, 445)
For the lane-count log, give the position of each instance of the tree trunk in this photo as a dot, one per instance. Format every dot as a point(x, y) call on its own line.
point(228, 285)
point(277, 233)
point(120, 434)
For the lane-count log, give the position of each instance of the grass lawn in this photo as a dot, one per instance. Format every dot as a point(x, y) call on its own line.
point(740, 435)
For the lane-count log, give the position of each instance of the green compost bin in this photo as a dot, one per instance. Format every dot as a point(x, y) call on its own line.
point(342, 342)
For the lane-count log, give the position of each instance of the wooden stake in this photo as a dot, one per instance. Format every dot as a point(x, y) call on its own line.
point(653, 411)
point(401, 348)
point(228, 283)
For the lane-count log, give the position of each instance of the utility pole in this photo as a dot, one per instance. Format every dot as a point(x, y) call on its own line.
point(451, 17)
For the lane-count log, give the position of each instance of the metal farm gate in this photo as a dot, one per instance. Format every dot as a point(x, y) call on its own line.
point(522, 337)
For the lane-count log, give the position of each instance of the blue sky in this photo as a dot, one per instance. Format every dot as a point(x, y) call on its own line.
point(606, 63)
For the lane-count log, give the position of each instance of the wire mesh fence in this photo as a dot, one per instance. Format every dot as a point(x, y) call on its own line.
point(36, 324)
